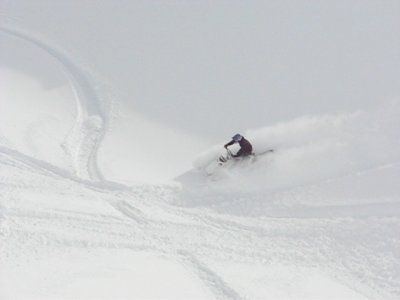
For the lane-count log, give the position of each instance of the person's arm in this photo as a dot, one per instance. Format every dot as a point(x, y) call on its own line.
point(229, 144)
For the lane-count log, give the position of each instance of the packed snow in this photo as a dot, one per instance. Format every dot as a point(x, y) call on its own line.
point(104, 196)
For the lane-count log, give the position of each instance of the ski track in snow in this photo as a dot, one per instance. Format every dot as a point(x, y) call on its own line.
point(211, 279)
point(155, 226)
point(141, 218)
point(91, 124)
point(196, 238)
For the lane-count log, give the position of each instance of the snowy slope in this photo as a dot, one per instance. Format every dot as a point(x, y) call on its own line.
point(113, 237)
point(99, 197)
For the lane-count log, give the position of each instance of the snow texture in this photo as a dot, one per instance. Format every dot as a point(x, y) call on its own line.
point(102, 200)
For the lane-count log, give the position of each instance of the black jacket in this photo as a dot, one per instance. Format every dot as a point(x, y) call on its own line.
point(245, 147)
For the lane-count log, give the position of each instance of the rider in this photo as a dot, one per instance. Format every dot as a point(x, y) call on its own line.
point(245, 147)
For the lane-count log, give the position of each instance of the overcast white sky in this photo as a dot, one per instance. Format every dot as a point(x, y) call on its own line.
point(226, 66)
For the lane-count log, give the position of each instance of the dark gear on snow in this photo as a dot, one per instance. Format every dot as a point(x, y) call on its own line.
point(245, 147)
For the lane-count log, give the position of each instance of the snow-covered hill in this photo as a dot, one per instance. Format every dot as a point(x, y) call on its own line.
point(102, 192)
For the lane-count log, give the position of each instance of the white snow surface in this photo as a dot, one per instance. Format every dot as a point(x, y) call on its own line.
point(99, 199)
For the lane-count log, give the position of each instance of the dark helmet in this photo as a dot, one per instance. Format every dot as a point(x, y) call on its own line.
point(237, 137)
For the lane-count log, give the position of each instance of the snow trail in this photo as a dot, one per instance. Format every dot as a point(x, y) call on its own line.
point(276, 214)
point(221, 289)
point(49, 215)
point(46, 168)
point(83, 142)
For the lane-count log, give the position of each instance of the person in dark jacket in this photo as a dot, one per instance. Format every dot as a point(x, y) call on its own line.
point(245, 147)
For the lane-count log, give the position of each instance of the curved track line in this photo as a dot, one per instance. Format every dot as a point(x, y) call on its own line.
point(89, 130)
point(45, 167)
point(211, 279)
